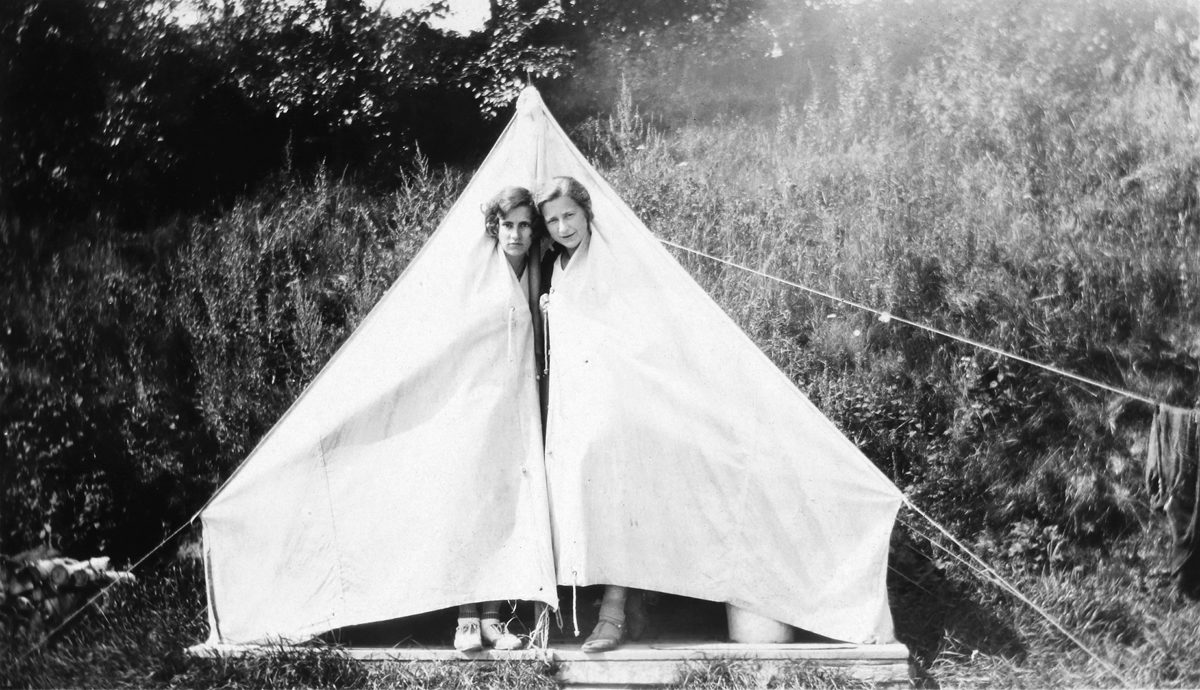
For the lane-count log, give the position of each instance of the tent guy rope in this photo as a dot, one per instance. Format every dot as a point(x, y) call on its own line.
point(885, 317)
point(98, 595)
point(982, 570)
point(986, 572)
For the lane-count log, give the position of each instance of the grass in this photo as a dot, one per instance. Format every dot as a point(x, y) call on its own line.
point(734, 674)
point(1121, 605)
point(137, 638)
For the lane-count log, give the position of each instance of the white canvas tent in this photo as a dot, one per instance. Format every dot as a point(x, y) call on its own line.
point(411, 476)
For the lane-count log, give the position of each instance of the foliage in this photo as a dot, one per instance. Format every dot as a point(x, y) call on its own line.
point(347, 85)
point(134, 636)
point(96, 400)
point(137, 636)
point(1025, 176)
point(83, 109)
point(518, 45)
point(115, 108)
point(266, 293)
point(124, 377)
point(980, 240)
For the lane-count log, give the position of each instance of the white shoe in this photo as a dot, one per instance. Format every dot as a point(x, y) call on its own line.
point(466, 635)
point(496, 636)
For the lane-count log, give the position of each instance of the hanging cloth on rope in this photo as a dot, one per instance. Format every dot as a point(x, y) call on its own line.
point(1173, 480)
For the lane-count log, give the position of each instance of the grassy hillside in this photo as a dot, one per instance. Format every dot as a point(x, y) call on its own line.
point(1027, 177)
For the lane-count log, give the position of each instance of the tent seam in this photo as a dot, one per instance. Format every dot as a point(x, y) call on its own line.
point(333, 528)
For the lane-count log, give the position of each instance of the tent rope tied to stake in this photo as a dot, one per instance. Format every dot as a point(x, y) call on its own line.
point(886, 317)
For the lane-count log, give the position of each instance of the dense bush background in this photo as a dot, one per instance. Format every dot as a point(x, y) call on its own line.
point(182, 248)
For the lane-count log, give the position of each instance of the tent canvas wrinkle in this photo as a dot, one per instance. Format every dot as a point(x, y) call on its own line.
point(411, 474)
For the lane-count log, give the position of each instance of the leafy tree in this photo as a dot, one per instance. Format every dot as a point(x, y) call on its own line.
point(51, 100)
point(112, 107)
point(339, 79)
point(517, 45)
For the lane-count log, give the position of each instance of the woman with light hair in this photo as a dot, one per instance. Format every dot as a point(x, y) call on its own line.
point(566, 210)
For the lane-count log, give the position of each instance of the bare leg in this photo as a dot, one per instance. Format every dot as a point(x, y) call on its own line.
point(610, 630)
point(613, 604)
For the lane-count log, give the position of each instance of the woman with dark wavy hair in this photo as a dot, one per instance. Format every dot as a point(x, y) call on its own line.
point(510, 218)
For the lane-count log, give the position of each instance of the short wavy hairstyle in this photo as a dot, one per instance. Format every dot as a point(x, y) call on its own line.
point(569, 187)
point(506, 200)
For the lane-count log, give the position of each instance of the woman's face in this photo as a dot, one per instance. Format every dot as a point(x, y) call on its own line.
point(514, 231)
point(566, 221)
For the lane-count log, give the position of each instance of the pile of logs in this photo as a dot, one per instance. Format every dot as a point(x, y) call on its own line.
point(37, 594)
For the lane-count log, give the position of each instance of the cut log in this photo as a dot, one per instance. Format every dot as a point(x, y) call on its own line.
point(41, 570)
point(81, 574)
point(59, 575)
point(58, 608)
point(43, 592)
point(20, 585)
point(115, 576)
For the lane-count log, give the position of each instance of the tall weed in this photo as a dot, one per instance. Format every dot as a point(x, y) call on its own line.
point(266, 293)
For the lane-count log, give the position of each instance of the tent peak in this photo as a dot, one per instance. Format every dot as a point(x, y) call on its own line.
point(529, 100)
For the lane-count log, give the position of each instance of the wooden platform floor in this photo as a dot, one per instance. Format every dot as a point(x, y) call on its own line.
point(647, 665)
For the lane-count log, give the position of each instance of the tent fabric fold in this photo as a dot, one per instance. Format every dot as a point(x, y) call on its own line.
point(411, 475)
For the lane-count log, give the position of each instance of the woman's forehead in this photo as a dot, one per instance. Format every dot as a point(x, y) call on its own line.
point(559, 204)
point(518, 213)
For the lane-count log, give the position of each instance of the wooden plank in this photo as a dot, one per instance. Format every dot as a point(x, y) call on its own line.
point(641, 665)
point(628, 652)
point(729, 650)
point(438, 654)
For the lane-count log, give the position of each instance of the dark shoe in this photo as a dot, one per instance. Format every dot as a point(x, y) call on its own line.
point(606, 636)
